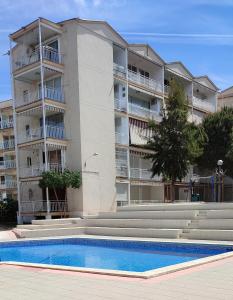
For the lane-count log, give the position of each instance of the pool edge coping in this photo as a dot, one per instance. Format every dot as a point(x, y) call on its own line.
point(142, 275)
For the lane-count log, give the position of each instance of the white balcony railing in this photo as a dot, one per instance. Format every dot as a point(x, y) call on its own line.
point(56, 132)
point(47, 53)
point(203, 104)
point(121, 138)
point(119, 70)
point(7, 164)
point(10, 164)
point(145, 81)
point(37, 169)
point(7, 144)
point(144, 112)
point(41, 206)
point(49, 93)
point(144, 174)
point(120, 105)
point(121, 168)
point(6, 124)
point(8, 184)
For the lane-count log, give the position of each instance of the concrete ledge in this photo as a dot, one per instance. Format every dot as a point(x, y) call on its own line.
point(150, 215)
point(54, 221)
point(24, 233)
point(134, 232)
point(204, 234)
point(138, 223)
point(177, 206)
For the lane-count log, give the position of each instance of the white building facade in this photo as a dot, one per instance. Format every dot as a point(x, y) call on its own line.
point(82, 100)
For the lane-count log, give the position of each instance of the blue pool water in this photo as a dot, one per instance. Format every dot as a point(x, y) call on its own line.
point(107, 254)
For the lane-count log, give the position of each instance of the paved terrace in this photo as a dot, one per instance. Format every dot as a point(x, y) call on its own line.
point(210, 281)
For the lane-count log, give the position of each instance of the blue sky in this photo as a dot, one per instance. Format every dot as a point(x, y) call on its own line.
point(197, 32)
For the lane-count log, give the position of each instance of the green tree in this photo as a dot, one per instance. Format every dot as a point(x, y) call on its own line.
point(174, 141)
point(55, 180)
point(219, 144)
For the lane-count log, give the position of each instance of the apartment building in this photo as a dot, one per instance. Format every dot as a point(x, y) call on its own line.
point(8, 183)
point(82, 100)
point(225, 98)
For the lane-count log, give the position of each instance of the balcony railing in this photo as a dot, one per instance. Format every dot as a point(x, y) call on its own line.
point(41, 206)
point(10, 164)
point(47, 54)
point(121, 138)
point(6, 124)
point(37, 169)
point(8, 184)
point(121, 168)
point(49, 93)
point(144, 174)
point(144, 112)
point(145, 81)
point(120, 105)
point(119, 70)
point(55, 132)
point(203, 104)
point(8, 144)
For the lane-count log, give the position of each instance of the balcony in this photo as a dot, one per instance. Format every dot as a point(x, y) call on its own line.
point(203, 104)
point(49, 93)
point(37, 169)
point(145, 81)
point(7, 144)
point(47, 54)
point(40, 206)
point(10, 164)
point(55, 132)
point(144, 112)
point(6, 124)
point(120, 105)
point(121, 138)
point(9, 184)
point(119, 70)
point(142, 174)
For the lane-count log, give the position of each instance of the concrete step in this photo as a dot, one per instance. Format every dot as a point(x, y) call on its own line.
point(211, 224)
point(25, 233)
point(138, 223)
point(181, 215)
point(219, 214)
point(208, 234)
point(178, 206)
point(134, 232)
point(77, 223)
point(55, 221)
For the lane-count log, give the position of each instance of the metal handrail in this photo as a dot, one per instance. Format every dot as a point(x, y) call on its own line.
point(144, 112)
point(203, 104)
point(146, 81)
point(47, 53)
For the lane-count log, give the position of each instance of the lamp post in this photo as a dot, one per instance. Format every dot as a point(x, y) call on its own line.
point(219, 177)
point(94, 154)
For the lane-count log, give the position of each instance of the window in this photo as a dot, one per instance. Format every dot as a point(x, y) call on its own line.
point(53, 45)
point(26, 96)
point(30, 194)
point(27, 129)
point(29, 161)
point(132, 68)
point(144, 73)
point(2, 179)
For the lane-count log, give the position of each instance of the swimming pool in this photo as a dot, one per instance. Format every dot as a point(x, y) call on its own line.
point(104, 254)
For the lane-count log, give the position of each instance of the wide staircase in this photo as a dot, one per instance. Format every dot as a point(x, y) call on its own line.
point(200, 221)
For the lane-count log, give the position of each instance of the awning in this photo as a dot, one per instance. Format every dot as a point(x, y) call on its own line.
point(139, 132)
